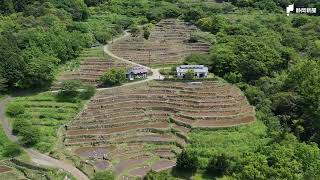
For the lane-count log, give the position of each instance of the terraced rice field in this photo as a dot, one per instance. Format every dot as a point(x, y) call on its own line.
point(168, 44)
point(132, 130)
point(89, 67)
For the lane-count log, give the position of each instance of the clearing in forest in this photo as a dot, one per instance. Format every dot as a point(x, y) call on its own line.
point(89, 67)
point(169, 43)
point(131, 130)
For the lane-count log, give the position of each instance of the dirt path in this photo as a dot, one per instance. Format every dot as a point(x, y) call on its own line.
point(155, 72)
point(36, 157)
point(45, 160)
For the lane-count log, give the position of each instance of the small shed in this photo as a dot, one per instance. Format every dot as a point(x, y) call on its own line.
point(200, 71)
point(137, 72)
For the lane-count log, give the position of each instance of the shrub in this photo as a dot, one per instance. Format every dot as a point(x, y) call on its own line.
point(88, 92)
point(115, 76)
point(146, 34)
point(93, 2)
point(193, 39)
point(155, 15)
point(189, 75)
point(254, 95)
point(44, 146)
point(14, 109)
point(3, 85)
point(29, 136)
point(187, 162)
point(12, 150)
point(233, 77)
point(103, 37)
point(104, 175)
point(300, 21)
point(135, 30)
point(125, 23)
point(19, 124)
point(197, 58)
point(218, 166)
point(69, 91)
point(153, 175)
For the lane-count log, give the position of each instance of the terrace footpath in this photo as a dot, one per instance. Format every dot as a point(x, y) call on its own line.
point(37, 157)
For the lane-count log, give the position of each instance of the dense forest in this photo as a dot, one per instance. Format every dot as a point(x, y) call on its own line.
point(275, 61)
point(272, 58)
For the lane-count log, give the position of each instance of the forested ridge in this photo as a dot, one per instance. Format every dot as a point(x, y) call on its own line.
point(272, 58)
point(275, 61)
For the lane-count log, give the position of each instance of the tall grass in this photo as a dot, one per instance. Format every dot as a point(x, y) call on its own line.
point(45, 113)
point(231, 141)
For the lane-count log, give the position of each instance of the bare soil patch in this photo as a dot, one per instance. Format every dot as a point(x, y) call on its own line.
point(126, 164)
point(162, 164)
point(94, 152)
point(102, 165)
point(4, 169)
point(140, 172)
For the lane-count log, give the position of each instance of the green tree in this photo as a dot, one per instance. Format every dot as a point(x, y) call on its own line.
point(15, 109)
point(103, 36)
point(6, 7)
point(268, 5)
point(3, 84)
point(155, 15)
point(253, 167)
point(29, 136)
point(39, 72)
point(77, 8)
point(113, 77)
point(298, 21)
point(87, 92)
point(12, 64)
point(197, 58)
point(302, 79)
point(189, 75)
point(19, 124)
point(233, 77)
point(251, 57)
point(93, 2)
point(153, 175)
point(193, 14)
point(212, 24)
point(12, 150)
point(69, 91)
point(135, 30)
point(218, 166)
point(187, 162)
point(284, 159)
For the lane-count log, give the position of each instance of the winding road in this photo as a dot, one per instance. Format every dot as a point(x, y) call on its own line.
point(45, 160)
point(37, 157)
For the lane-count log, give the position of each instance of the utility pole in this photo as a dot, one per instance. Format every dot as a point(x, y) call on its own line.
point(149, 58)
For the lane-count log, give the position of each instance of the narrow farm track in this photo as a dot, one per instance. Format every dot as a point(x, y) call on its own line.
point(155, 72)
point(37, 157)
point(45, 160)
